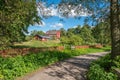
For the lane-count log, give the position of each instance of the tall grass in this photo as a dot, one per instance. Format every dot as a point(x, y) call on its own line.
point(37, 43)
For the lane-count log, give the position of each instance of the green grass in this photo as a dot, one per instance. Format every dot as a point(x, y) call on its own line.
point(13, 67)
point(36, 43)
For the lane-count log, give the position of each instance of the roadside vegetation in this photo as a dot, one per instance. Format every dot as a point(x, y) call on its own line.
point(102, 69)
point(13, 67)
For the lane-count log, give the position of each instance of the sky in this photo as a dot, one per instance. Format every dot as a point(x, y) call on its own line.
point(56, 21)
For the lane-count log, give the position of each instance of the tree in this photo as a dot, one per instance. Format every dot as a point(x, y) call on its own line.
point(64, 40)
point(33, 33)
point(86, 35)
point(115, 26)
point(75, 40)
point(70, 32)
point(101, 33)
point(62, 32)
point(15, 17)
point(99, 10)
point(78, 29)
point(72, 40)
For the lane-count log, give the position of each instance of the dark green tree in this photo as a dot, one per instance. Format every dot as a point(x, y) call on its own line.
point(15, 17)
point(72, 40)
point(70, 31)
point(86, 35)
point(63, 32)
point(33, 33)
point(75, 40)
point(101, 33)
point(78, 29)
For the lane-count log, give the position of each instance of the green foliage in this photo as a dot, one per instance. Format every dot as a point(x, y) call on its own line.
point(64, 40)
point(15, 17)
point(105, 62)
point(33, 33)
point(79, 35)
point(13, 67)
point(86, 35)
point(101, 33)
point(98, 73)
point(28, 38)
point(101, 69)
point(77, 29)
point(72, 40)
point(75, 40)
point(17, 66)
point(116, 62)
point(62, 32)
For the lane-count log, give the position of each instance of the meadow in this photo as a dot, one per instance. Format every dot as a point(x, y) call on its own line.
point(36, 43)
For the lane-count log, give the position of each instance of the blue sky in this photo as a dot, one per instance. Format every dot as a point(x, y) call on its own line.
point(49, 24)
point(54, 22)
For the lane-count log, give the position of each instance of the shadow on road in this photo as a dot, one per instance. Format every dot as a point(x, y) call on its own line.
point(72, 69)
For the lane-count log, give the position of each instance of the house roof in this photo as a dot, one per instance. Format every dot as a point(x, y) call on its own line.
point(52, 32)
point(47, 37)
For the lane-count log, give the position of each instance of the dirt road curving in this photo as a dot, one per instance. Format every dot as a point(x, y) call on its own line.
point(70, 69)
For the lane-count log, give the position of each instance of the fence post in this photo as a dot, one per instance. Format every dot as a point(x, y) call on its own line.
point(72, 47)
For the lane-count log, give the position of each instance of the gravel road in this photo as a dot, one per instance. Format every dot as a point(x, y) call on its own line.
point(70, 69)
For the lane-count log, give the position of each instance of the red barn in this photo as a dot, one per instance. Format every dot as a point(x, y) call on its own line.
point(54, 34)
point(41, 38)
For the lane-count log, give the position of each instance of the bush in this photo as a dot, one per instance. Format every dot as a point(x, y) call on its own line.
point(72, 40)
point(105, 62)
point(98, 73)
point(116, 62)
point(101, 69)
point(13, 67)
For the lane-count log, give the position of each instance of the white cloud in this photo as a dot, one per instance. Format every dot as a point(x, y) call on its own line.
point(44, 11)
point(55, 10)
point(57, 25)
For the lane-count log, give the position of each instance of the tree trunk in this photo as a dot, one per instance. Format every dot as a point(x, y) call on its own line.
point(115, 28)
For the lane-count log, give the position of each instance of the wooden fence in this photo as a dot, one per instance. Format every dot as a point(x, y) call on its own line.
point(24, 51)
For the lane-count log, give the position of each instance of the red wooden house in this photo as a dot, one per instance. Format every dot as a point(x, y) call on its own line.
point(54, 34)
point(41, 38)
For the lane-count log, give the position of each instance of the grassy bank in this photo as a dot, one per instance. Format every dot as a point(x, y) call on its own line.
point(13, 67)
point(102, 69)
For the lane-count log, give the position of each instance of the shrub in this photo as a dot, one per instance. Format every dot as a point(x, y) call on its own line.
point(116, 62)
point(98, 73)
point(105, 62)
point(101, 69)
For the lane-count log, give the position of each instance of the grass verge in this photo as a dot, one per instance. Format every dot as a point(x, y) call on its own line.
point(102, 69)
